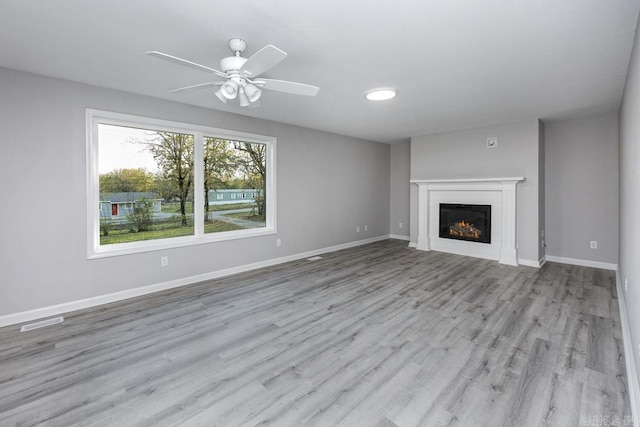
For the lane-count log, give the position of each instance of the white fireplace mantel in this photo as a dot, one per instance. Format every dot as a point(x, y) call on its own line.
point(501, 190)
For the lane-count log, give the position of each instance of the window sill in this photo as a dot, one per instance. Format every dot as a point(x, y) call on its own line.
point(119, 249)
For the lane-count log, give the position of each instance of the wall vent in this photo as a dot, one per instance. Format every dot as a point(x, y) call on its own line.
point(42, 324)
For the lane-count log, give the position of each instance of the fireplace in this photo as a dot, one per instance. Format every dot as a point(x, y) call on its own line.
point(500, 193)
point(465, 222)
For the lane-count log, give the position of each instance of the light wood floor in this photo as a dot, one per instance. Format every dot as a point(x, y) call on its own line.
point(379, 335)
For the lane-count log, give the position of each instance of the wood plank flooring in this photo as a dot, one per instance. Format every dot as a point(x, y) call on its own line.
point(378, 335)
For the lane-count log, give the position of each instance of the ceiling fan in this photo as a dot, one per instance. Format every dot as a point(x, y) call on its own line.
point(241, 74)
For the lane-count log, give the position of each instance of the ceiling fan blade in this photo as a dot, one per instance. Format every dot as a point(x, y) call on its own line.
point(263, 60)
point(288, 87)
point(184, 62)
point(198, 86)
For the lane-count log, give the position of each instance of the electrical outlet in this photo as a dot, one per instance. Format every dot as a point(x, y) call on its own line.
point(279, 242)
point(164, 261)
point(366, 227)
point(625, 284)
point(400, 225)
point(492, 142)
point(357, 228)
point(593, 244)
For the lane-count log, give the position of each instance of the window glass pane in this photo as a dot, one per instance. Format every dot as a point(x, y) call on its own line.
point(145, 184)
point(234, 185)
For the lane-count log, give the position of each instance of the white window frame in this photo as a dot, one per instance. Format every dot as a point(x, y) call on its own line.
point(97, 117)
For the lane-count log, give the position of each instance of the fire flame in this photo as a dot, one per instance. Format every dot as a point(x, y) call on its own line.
point(464, 229)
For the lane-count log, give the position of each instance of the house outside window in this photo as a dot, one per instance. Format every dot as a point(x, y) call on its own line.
point(149, 180)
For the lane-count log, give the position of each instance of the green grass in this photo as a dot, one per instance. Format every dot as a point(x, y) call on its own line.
point(244, 215)
point(174, 207)
point(125, 236)
point(172, 227)
point(217, 226)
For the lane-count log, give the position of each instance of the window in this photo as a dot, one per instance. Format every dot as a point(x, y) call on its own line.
point(151, 184)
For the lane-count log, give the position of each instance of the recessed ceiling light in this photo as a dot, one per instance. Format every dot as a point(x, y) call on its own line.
point(380, 94)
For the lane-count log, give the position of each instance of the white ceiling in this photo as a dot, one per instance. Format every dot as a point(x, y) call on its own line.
point(455, 64)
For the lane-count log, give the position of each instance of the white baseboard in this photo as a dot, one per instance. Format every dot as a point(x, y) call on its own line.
point(529, 263)
point(532, 263)
point(582, 262)
point(55, 310)
point(632, 372)
point(413, 244)
point(399, 237)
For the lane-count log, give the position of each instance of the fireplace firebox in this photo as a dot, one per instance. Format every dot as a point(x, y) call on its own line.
point(465, 222)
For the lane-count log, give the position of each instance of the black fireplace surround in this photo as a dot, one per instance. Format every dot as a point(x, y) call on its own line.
point(465, 222)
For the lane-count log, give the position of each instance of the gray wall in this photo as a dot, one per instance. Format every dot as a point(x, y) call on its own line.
point(326, 185)
point(629, 263)
point(400, 174)
point(464, 154)
point(582, 188)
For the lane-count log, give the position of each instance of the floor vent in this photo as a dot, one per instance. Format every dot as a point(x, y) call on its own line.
point(314, 258)
point(42, 324)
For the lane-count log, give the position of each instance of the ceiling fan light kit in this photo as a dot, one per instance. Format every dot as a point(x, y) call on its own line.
point(252, 92)
point(240, 74)
point(229, 89)
point(242, 98)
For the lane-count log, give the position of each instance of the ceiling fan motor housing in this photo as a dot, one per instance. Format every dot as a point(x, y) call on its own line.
point(232, 63)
